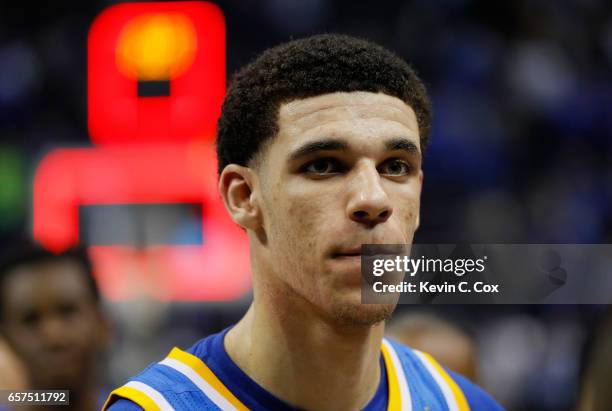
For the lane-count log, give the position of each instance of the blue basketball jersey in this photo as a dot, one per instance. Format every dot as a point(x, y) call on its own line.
point(205, 378)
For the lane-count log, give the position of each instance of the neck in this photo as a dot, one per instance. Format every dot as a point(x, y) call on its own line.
point(303, 359)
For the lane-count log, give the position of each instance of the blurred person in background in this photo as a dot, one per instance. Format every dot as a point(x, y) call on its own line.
point(596, 392)
point(449, 344)
point(51, 316)
point(319, 145)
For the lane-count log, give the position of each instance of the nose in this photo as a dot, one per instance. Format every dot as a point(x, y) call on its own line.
point(369, 204)
point(52, 332)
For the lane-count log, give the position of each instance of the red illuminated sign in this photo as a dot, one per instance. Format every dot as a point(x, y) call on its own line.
point(180, 43)
point(156, 80)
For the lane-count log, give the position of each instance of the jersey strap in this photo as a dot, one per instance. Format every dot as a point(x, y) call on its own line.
point(198, 372)
point(399, 392)
point(142, 394)
point(455, 400)
point(189, 368)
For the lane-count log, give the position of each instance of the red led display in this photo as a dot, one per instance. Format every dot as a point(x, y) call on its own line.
point(192, 33)
point(156, 81)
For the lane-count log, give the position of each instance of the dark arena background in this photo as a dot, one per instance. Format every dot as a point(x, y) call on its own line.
point(520, 152)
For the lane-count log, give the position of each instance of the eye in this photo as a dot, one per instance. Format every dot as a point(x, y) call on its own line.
point(322, 166)
point(395, 167)
point(31, 319)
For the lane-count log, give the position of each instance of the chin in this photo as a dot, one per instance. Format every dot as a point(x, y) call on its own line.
point(362, 314)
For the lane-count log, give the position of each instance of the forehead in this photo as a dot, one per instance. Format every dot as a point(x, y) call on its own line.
point(342, 114)
point(28, 283)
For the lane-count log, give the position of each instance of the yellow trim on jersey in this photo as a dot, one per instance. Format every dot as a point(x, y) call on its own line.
point(457, 393)
point(206, 373)
point(134, 395)
point(394, 400)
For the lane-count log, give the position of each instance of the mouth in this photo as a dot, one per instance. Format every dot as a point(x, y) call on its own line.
point(348, 253)
point(359, 251)
point(347, 257)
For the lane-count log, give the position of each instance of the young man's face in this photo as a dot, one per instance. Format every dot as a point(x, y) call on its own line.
point(344, 170)
point(53, 322)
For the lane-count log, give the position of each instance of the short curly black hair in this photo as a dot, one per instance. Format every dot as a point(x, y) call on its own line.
point(308, 67)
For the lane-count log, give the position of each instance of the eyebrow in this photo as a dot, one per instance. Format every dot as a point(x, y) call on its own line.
point(403, 144)
point(329, 144)
point(319, 145)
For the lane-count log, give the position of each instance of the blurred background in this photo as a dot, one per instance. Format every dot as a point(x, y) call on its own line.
point(520, 152)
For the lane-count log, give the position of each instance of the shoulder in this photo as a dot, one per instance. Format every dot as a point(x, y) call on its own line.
point(429, 372)
point(179, 380)
point(169, 384)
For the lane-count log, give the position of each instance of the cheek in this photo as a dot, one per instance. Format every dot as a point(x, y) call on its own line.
point(295, 217)
point(296, 228)
point(301, 216)
point(87, 326)
point(23, 337)
point(407, 212)
point(27, 344)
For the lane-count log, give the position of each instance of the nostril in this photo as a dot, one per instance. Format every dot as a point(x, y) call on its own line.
point(360, 214)
point(384, 214)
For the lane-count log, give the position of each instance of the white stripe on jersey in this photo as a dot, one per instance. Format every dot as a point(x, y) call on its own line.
point(152, 393)
point(200, 382)
point(401, 377)
point(451, 401)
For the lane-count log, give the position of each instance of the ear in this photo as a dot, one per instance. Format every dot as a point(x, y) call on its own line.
point(238, 188)
point(418, 216)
